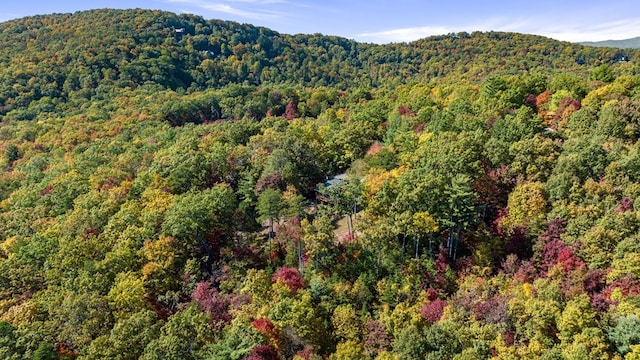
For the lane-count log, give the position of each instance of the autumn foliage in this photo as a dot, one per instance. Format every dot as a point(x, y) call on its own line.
point(173, 187)
point(290, 277)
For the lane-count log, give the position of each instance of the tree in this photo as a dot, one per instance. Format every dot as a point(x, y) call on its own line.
point(263, 352)
point(294, 203)
point(348, 350)
point(423, 223)
point(76, 318)
point(162, 256)
point(11, 153)
point(238, 340)
point(432, 311)
point(602, 73)
point(346, 198)
point(576, 316)
point(185, 333)
point(201, 220)
point(526, 208)
point(127, 295)
point(533, 158)
point(318, 237)
point(428, 342)
point(625, 334)
point(534, 315)
point(128, 338)
point(45, 351)
point(299, 318)
point(214, 303)
point(203, 211)
point(269, 207)
point(290, 277)
point(291, 110)
point(8, 346)
point(346, 324)
point(462, 211)
point(590, 344)
point(377, 339)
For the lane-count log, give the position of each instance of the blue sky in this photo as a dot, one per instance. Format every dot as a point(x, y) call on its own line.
point(388, 21)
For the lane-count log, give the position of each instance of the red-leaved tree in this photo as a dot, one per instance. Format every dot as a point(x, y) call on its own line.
point(290, 111)
point(268, 329)
point(290, 277)
point(432, 311)
point(213, 303)
point(263, 352)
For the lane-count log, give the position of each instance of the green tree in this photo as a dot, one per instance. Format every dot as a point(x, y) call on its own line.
point(348, 350)
point(428, 342)
point(45, 351)
point(8, 342)
point(11, 153)
point(195, 215)
point(346, 198)
point(625, 333)
point(346, 324)
point(128, 338)
point(318, 237)
point(182, 337)
point(269, 208)
point(236, 342)
point(527, 208)
point(590, 344)
point(576, 316)
point(602, 73)
point(462, 210)
point(127, 295)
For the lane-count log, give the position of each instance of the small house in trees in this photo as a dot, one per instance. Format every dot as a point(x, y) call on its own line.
point(334, 180)
point(621, 58)
point(328, 184)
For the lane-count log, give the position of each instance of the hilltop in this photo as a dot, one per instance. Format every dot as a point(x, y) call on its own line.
point(84, 54)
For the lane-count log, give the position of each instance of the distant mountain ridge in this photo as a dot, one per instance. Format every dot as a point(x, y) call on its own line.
point(633, 43)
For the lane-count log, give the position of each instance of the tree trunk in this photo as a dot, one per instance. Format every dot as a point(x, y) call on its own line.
point(208, 264)
point(300, 258)
point(404, 245)
point(431, 244)
point(379, 260)
point(270, 235)
point(449, 242)
point(456, 243)
point(353, 214)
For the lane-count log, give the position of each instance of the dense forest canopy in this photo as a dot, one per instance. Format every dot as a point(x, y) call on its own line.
point(168, 190)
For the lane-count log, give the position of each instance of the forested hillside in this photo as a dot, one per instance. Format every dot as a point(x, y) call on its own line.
point(167, 191)
point(633, 43)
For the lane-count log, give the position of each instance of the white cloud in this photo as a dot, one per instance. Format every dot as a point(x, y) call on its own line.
point(560, 29)
point(201, 3)
point(260, 2)
point(256, 14)
point(235, 8)
point(415, 33)
point(404, 34)
point(613, 30)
